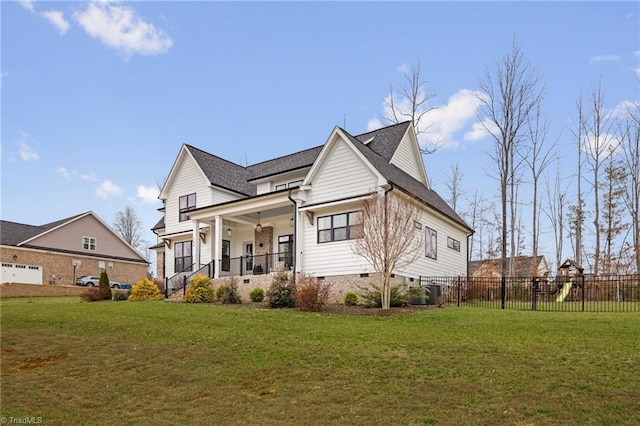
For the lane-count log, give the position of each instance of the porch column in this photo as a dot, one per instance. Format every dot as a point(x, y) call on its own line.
point(196, 245)
point(217, 247)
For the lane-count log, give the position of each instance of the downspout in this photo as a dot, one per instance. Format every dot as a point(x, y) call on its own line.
point(295, 235)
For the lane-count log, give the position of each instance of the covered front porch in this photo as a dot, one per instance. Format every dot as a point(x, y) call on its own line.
point(252, 236)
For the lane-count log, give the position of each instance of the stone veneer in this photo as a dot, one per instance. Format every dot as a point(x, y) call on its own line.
point(340, 284)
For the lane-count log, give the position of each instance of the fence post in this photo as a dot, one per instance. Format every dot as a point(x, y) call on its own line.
point(534, 293)
point(166, 287)
point(184, 285)
point(583, 291)
point(503, 288)
point(458, 291)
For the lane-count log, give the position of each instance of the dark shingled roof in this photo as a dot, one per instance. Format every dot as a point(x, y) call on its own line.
point(406, 182)
point(378, 152)
point(223, 173)
point(13, 233)
point(523, 265)
point(294, 161)
point(386, 140)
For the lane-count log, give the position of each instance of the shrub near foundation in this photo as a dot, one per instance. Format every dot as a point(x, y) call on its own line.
point(145, 289)
point(281, 292)
point(199, 290)
point(228, 293)
point(350, 299)
point(311, 294)
point(256, 295)
point(104, 287)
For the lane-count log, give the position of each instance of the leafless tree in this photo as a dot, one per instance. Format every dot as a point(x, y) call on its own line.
point(387, 237)
point(475, 217)
point(598, 137)
point(129, 227)
point(630, 141)
point(411, 102)
point(453, 182)
point(538, 156)
point(554, 210)
point(508, 99)
point(577, 212)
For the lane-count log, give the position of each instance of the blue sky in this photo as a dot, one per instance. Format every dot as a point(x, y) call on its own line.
point(97, 97)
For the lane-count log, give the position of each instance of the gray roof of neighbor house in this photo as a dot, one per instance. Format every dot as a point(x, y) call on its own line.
point(13, 233)
point(381, 147)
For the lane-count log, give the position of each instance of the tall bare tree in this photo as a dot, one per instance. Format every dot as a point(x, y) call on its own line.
point(613, 224)
point(577, 212)
point(411, 102)
point(508, 99)
point(387, 237)
point(129, 227)
point(598, 138)
point(453, 182)
point(538, 156)
point(554, 210)
point(630, 141)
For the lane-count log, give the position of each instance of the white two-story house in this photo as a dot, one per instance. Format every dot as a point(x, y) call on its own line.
point(298, 212)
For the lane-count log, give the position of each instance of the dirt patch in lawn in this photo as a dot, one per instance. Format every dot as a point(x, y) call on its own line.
point(32, 290)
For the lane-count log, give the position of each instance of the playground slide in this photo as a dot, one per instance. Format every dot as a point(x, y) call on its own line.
point(566, 288)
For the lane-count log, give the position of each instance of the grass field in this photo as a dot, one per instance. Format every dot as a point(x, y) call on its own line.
point(68, 362)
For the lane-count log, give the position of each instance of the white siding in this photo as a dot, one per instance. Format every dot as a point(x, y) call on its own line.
point(263, 187)
point(448, 262)
point(189, 180)
point(405, 158)
point(341, 175)
point(326, 259)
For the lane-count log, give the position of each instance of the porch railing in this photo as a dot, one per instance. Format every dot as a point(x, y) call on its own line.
point(181, 280)
point(256, 264)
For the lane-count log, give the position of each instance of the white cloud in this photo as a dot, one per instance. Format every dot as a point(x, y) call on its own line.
point(27, 4)
point(27, 153)
point(604, 58)
point(120, 28)
point(67, 174)
point(108, 189)
point(91, 177)
point(622, 109)
point(148, 194)
point(56, 18)
point(374, 124)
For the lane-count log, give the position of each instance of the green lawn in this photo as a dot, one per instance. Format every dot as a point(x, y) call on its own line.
point(168, 363)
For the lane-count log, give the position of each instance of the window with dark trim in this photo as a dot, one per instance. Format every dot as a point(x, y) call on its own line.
point(453, 244)
point(182, 256)
point(430, 243)
point(89, 243)
point(186, 203)
point(339, 227)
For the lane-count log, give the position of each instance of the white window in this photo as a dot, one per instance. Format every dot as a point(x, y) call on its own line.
point(431, 243)
point(89, 243)
point(111, 266)
point(101, 265)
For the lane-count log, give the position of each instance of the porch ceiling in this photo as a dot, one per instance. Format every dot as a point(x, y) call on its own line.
point(246, 211)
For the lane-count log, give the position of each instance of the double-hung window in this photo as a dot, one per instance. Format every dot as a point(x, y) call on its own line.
point(89, 243)
point(186, 203)
point(182, 256)
point(339, 227)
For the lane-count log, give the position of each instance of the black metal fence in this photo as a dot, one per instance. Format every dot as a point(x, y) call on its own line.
point(611, 293)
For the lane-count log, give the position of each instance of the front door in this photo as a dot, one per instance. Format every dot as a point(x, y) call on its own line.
point(285, 251)
point(248, 257)
point(226, 255)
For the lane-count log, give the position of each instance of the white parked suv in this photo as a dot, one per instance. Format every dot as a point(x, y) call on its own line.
point(92, 281)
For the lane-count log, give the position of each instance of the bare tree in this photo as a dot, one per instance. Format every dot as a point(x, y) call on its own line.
point(129, 227)
point(556, 198)
point(537, 158)
point(411, 102)
point(598, 138)
point(577, 213)
point(387, 237)
point(630, 141)
point(453, 182)
point(508, 99)
point(613, 225)
point(476, 218)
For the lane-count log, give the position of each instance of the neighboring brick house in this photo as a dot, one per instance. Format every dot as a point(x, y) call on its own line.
point(59, 252)
point(297, 212)
point(523, 266)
